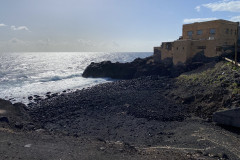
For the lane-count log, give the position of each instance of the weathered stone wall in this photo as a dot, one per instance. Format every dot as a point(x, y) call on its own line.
point(166, 50)
point(181, 51)
point(224, 30)
point(211, 44)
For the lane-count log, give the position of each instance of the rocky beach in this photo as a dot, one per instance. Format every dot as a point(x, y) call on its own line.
point(156, 114)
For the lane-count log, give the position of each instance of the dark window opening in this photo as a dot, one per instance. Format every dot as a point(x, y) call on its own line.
point(212, 31)
point(199, 32)
point(190, 33)
point(227, 31)
point(168, 46)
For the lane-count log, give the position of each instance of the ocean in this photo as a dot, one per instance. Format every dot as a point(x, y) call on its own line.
point(36, 73)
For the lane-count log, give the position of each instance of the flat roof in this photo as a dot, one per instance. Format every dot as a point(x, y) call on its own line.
point(218, 20)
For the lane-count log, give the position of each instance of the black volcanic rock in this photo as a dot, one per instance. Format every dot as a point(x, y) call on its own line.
point(139, 67)
point(14, 115)
point(109, 69)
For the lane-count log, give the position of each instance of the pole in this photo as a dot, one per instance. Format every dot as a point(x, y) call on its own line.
point(236, 44)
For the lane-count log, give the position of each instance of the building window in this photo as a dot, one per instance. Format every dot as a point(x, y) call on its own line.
point(199, 32)
point(227, 31)
point(231, 31)
point(168, 46)
point(190, 33)
point(177, 48)
point(183, 48)
point(212, 31)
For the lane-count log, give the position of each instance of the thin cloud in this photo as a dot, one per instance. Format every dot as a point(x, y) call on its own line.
point(19, 28)
point(198, 8)
point(2, 25)
point(235, 19)
point(185, 21)
point(226, 5)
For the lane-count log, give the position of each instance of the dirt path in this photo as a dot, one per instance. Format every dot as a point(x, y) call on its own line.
point(41, 146)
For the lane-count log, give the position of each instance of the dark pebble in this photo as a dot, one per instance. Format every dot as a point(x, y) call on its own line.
point(18, 125)
point(4, 119)
point(30, 97)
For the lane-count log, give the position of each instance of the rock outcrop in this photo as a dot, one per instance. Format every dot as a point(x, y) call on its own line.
point(137, 68)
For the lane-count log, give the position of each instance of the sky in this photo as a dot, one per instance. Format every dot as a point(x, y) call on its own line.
point(102, 25)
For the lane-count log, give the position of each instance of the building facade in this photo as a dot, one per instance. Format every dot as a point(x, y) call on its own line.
point(208, 38)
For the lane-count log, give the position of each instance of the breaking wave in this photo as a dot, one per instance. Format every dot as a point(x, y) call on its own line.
point(25, 74)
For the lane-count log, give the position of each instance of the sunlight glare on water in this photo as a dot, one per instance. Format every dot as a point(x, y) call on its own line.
point(35, 73)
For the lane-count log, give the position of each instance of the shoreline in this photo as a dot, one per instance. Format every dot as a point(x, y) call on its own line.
point(149, 113)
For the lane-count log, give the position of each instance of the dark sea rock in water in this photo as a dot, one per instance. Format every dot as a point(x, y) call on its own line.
point(139, 67)
point(109, 69)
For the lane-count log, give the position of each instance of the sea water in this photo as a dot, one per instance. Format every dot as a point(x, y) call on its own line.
point(27, 74)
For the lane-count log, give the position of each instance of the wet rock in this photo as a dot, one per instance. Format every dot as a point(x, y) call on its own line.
point(30, 98)
point(109, 69)
point(48, 96)
point(36, 96)
point(54, 94)
point(37, 99)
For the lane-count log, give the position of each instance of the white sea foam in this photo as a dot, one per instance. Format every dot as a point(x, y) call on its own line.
point(25, 74)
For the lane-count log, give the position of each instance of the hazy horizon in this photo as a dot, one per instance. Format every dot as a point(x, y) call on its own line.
point(102, 25)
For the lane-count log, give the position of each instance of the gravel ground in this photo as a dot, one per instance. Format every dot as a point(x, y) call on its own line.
point(146, 118)
point(140, 112)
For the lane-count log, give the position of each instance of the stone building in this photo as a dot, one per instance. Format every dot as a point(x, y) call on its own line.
point(208, 38)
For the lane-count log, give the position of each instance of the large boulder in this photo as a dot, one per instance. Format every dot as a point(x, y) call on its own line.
point(14, 115)
point(109, 69)
point(229, 117)
point(139, 67)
